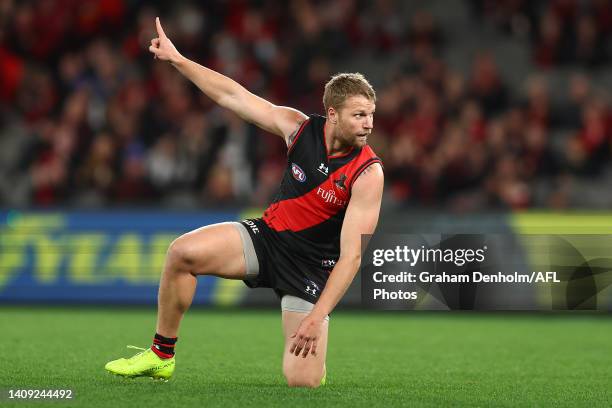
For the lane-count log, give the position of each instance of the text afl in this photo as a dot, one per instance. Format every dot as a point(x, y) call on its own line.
point(298, 173)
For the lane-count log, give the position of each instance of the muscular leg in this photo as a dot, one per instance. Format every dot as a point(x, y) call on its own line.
point(299, 371)
point(212, 250)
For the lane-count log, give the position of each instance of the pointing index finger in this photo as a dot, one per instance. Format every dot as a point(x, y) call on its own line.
point(160, 30)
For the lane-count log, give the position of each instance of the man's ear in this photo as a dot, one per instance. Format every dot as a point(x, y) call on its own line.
point(332, 115)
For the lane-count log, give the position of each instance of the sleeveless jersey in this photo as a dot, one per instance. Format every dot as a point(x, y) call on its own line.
point(309, 208)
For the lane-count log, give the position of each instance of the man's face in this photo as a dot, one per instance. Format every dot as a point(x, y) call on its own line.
point(355, 120)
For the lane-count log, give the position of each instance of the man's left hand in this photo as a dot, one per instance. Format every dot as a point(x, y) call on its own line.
point(307, 335)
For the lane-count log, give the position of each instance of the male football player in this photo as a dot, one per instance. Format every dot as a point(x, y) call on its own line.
point(307, 245)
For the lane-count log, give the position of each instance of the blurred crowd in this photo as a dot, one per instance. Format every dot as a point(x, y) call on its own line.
point(89, 119)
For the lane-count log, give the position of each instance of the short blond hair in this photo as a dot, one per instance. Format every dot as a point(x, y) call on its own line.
point(342, 86)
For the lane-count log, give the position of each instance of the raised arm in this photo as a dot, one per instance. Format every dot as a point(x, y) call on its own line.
point(279, 120)
point(361, 218)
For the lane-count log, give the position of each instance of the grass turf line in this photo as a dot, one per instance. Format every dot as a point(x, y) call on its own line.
point(233, 358)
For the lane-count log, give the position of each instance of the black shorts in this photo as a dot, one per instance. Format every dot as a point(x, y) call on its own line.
point(281, 267)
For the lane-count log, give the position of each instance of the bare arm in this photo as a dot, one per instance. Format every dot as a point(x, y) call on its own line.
point(279, 120)
point(361, 218)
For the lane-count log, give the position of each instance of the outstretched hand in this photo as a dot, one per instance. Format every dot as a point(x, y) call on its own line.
point(161, 47)
point(306, 337)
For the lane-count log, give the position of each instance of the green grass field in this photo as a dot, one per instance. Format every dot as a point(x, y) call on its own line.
point(233, 358)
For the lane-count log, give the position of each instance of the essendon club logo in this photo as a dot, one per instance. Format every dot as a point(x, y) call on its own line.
point(340, 182)
point(298, 173)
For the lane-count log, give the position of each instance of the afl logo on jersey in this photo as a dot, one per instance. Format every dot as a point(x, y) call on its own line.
point(298, 173)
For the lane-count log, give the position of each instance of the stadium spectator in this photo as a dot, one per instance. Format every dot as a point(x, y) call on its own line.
point(91, 123)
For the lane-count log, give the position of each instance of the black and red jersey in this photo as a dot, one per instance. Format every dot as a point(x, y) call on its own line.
point(309, 208)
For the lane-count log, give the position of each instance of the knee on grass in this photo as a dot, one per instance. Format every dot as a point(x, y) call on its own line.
point(305, 380)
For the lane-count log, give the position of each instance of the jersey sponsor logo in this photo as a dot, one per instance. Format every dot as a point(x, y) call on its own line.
point(340, 182)
point(311, 288)
point(328, 263)
point(323, 168)
point(329, 196)
point(298, 173)
point(252, 226)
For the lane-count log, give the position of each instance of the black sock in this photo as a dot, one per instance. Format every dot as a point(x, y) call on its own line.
point(163, 346)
